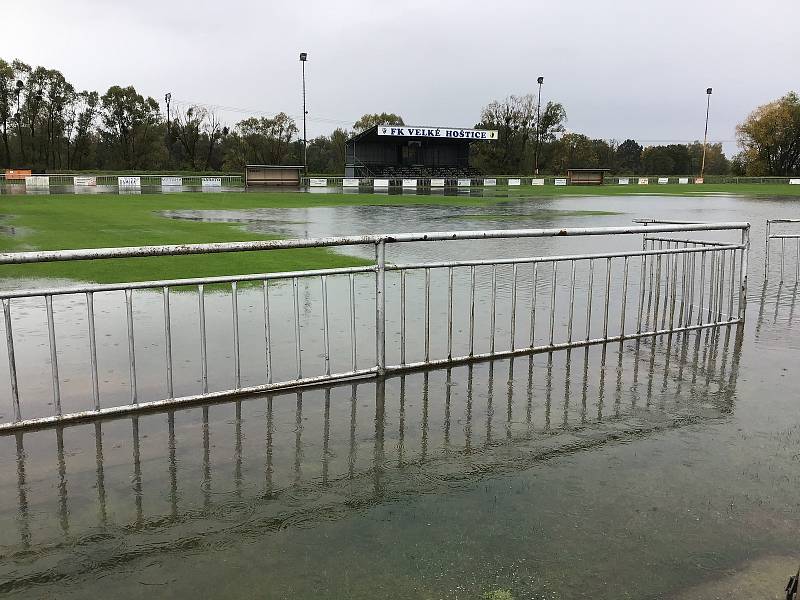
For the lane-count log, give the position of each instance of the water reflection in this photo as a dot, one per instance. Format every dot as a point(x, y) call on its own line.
point(209, 476)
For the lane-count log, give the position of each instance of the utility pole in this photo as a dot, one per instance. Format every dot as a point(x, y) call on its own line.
point(540, 80)
point(303, 58)
point(705, 136)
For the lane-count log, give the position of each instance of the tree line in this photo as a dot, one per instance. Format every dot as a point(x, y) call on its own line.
point(47, 125)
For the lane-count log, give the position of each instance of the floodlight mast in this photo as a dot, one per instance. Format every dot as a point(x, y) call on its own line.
point(705, 135)
point(303, 59)
point(539, 80)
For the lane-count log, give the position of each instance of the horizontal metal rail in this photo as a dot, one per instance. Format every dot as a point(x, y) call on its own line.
point(41, 256)
point(683, 285)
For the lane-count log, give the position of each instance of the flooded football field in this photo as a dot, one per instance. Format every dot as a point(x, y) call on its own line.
point(650, 468)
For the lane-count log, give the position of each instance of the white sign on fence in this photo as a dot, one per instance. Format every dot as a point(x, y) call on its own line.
point(464, 182)
point(409, 183)
point(540, 182)
point(514, 181)
point(37, 181)
point(683, 180)
point(698, 180)
point(170, 181)
point(644, 181)
point(380, 183)
point(84, 180)
point(794, 182)
point(439, 132)
point(559, 181)
point(349, 182)
point(624, 180)
point(211, 181)
point(490, 182)
point(317, 182)
point(129, 182)
point(437, 182)
point(663, 180)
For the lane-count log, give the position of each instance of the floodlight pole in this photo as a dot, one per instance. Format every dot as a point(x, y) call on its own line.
point(303, 58)
point(19, 86)
point(540, 80)
point(705, 136)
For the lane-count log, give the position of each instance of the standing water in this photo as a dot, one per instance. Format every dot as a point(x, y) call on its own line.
point(657, 468)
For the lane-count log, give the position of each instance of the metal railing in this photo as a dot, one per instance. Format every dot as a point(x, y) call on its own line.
point(174, 469)
point(440, 314)
point(782, 236)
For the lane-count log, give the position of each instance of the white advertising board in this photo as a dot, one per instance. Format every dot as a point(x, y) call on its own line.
point(171, 181)
point(464, 182)
point(540, 182)
point(560, 181)
point(211, 182)
point(644, 181)
point(85, 180)
point(663, 180)
point(624, 180)
point(437, 182)
point(490, 182)
point(439, 132)
point(317, 182)
point(37, 181)
point(514, 182)
point(409, 183)
point(129, 182)
point(350, 182)
point(380, 183)
point(698, 180)
point(683, 180)
point(794, 182)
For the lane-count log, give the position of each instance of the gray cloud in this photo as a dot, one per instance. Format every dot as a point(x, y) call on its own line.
point(627, 68)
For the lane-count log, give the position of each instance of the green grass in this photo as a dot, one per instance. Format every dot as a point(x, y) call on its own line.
point(95, 221)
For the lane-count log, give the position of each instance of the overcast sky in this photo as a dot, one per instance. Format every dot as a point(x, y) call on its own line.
point(622, 68)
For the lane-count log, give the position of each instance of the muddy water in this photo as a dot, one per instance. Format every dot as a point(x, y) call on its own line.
point(638, 470)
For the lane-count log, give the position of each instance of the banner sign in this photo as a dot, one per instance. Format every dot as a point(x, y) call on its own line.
point(559, 181)
point(683, 180)
point(663, 180)
point(698, 180)
point(541, 182)
point(624, 180)
point(317, 182)
point(464, 182)
point(84, 181)
point(18, 174)
point(490, 182)
point(644, 181)
point(437, 182)
point(211, 181)
point(409, 183)
point(514, 181)
point(439, 132)
point(170, 181)
point(129, 181)
point(37, 181)
point(380, 183)
point(794, 182)
point(349, 182)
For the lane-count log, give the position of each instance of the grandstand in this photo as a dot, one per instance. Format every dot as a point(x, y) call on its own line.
point(396, 152)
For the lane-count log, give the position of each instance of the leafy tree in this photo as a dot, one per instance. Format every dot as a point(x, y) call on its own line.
point(770, 138)
point(629, 157)
point(657, 160)
point(371, 120)
point(573, 151)
point(262, 140)
point(130, 124)
point(716, 161)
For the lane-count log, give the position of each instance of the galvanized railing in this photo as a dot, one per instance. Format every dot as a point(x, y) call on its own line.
point(169, 470)
point(545, 301)
point(793, 234)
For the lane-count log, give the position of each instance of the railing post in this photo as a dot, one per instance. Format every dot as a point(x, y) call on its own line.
point(766, 250)
point(743, 270)
point(380, 306)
